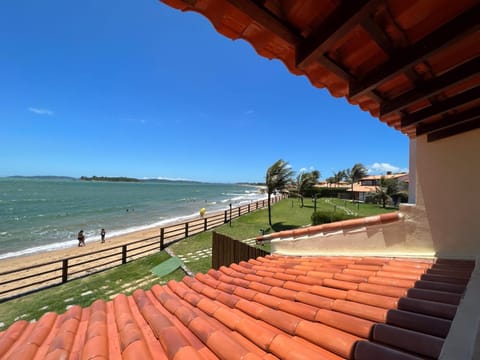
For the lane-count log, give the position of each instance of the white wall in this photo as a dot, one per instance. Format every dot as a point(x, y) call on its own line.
point(448, 190)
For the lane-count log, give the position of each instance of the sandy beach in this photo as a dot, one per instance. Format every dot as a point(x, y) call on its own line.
point(111, 246)
point(91, 260)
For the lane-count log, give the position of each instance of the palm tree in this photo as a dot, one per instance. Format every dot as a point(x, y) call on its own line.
point(338, 176)
point(387, 190)
point(305, 182)
point(277, 178)
point(354, 174)
point(330, 181)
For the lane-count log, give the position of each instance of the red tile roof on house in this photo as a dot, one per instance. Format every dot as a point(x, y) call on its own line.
point(269, 308)
point(387, 176)
point(363, 188)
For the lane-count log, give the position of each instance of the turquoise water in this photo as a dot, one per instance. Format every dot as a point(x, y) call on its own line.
point(40, 215)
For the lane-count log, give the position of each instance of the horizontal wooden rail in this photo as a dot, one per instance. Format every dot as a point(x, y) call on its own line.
point(60, 271)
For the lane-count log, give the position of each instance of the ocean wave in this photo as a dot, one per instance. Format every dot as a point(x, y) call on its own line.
point(67, 237)
point(39, 249)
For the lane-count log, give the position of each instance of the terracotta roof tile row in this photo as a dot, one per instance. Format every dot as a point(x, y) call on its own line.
point(334, 226)
point(267, 308)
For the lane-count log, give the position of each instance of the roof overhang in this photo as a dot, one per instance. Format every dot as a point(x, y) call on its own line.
point(412, 64)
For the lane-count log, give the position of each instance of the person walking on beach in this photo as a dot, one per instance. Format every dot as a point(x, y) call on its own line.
point(102, 234)
point(81, 239)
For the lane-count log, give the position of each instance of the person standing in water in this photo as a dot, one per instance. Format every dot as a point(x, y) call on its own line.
point(81, 238)
point(102, 234)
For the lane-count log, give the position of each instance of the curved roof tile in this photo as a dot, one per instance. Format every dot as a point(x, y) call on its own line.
point(263, 309)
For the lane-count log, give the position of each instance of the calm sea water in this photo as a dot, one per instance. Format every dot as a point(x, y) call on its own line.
point(40, 215)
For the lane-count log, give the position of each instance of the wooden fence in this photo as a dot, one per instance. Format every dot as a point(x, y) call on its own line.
point(226, 251)
point(16, 282)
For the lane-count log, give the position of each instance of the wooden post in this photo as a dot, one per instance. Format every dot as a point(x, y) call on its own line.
point(225, 221)
point(249, 207)
point(239, 211)
point(186, 229)
point(205, 224)
point(162, 239)
point(64, 270)
point(124, 254)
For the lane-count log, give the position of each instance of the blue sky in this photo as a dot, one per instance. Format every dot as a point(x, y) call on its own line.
point(136, 88)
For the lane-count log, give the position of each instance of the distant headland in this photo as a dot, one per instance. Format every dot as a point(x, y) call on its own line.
point(122, 179)
point(107, 178)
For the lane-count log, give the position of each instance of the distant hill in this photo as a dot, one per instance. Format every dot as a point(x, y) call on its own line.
point(45, 177)
point(106, 178)
point(129, 179)
point(251, 183)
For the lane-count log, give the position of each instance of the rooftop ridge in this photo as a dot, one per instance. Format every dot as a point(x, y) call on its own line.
point(333, 227)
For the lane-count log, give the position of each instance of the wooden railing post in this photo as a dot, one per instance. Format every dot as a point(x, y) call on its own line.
point(124, 254)
point(248, 207)
point(186, 229)
point(162, 239)
point(239, 211)
point(64, 270)
point(205, 227)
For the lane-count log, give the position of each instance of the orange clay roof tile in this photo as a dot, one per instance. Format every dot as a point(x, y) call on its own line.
point(272, 307)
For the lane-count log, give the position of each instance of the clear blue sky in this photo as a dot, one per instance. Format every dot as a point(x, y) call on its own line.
point(136, 88)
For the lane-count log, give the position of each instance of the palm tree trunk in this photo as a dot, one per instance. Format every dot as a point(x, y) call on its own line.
point(269, 210)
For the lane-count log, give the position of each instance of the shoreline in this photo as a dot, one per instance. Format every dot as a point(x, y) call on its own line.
point(18, 270)
point(32, 259)
point(25, 260)
point(129, 232)
point(20, 261)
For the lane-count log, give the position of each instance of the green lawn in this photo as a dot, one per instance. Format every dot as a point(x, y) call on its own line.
point(84, 291)
point(287, 214)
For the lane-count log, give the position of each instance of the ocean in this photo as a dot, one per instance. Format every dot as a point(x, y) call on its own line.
point(38, 215)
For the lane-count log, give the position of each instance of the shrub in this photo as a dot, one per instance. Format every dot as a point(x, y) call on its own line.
point(402, 197)
point(324, 217)
point(371, 199)
point(331, 192)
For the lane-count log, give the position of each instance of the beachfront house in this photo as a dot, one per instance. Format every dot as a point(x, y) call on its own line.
point(374, 180)
point(369, 185)
point(403, 285)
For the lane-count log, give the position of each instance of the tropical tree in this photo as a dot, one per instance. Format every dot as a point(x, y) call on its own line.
point(387, 190)
point(354, 174)
point(330, 181)
point(338, 176)
point(305, 182)
point(278, 176)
